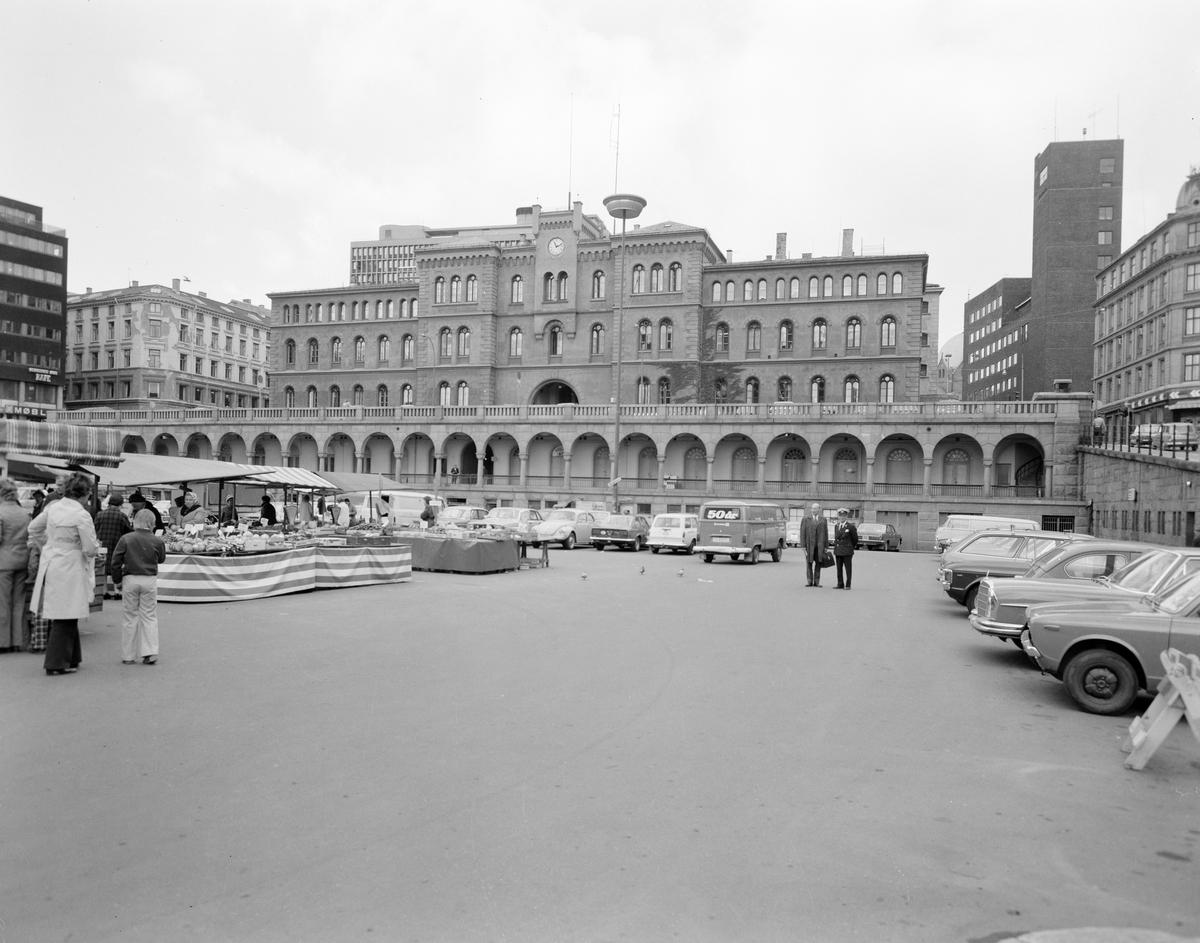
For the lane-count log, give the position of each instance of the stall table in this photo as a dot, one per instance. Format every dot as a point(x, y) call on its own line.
point(462, 554)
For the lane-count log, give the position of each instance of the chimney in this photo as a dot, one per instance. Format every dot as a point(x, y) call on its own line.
point(847, 243)
point(175, 284)
point(780, 246)
point(135, 284)
point(246, 301)
point(729, 254)
point(88, 291)
point(806, 255)
point(203, 294)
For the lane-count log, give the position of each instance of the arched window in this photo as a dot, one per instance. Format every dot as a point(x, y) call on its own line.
point(308, 313)
point(515, 338)
point(816, 391)
point(319, 312)
point(639, 279)
point(562, 286)
point(881, 284)
point(753, 337)
point(404, 307)
point(847, 286)
point(556, 340)
point(311, 397)
point(862, 285)
point(335, 350)
point(289, 350)
point(439, 290)
point(716, 293)
point(780, 289)
point(664, 390)
point(721, 390)
point(656, 277)
point(455, 290)
point(289, 397)
point(762, 289)
point(820, 331)
point(645, 336)
point(785, 389)
point(391, 309)
point(695, 464)
point(379, 310)
point(406, 348)
point(850, 390)
point(381, 395)
point(314, 353)
point(853, 333)
point(814, 287)
point(752, 388)
point(675, 277)
point(360, 350)
point(730, 289)
point(795, 465)
point(464, 342)
point(643, 390)
point(787, 335)
point(897, 284)
point(444, 393)
point(385, 347)
point(956, 467)
point(597, 284)
point(472, 288)
point(745, 464)
point(597, 347)
point(887, 332)
point(341, 310)
point(445, 342)
point(517, 290)
point(666, 335)
point(794, 288)
point(722, 338)
point(827, 286)
point(887, 389)
point(287, 314)
point(412, 308)
point(464, 393)
point(548, 287)
point(354, 311)
point(747, 290)
point(357, 394)
point(406, 395)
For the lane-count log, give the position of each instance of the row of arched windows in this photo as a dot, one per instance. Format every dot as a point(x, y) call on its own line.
point(819, 335)
point(723, 390)
point(554, 286)
point(790, 290)
point(357, 310)
point(449, 343)
point(456, 295)
point(457, 395)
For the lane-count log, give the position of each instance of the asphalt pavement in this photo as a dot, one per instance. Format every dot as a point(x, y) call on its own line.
point(620, 747)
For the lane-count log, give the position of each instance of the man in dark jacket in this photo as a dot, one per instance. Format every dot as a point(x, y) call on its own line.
point(111, 526)
point(814, 538)
point(845, 539)
point(138, 502)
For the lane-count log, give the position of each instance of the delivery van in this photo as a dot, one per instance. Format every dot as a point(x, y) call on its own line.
point(958, 526)
point(403, 507)
point(741, 529)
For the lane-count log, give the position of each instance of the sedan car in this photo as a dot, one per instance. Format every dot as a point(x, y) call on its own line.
point(674, 532)
point(792, 534)
point(1077, 570)
point(878, 537)
point(630, 531)
point(568, 527)
point(1106, 656)
point(996, 554)
point(461, 515)
point(516, 522)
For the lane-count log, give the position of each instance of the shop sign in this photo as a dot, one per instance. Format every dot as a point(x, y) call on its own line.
point(23, 412)
point(43, 376)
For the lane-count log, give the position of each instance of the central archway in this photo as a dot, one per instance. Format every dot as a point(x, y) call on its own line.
point(552, 393)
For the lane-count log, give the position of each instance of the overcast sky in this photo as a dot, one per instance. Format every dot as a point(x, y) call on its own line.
point(244, 145)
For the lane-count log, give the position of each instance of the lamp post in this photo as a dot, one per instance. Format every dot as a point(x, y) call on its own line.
point(622, 206)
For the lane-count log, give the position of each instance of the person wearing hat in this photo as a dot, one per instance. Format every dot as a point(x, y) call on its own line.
point(845, 538)
point(428, 513)
point(229, 514)
point(192, 511)
point(266, 512)
point(111, 526)
point(138, 502)
point(814, 538)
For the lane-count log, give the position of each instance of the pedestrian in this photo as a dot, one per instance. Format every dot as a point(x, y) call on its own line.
point(428, 513)
point(192, 511)
point(266, 512)
point(454, 475)
point(111, 526)
point(845, 539)
point(814, 538)
point(135, 568)
point(39, 501)
point(14, 560)
point(66, 576)
point(229, 514)
point(304, 512)
point(138, 502)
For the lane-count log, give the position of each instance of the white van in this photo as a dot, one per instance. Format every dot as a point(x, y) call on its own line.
point(404, 507)
point(958, 526)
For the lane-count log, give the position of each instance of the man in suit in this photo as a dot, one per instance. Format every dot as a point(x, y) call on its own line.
point(845, 538)
point(814, 538)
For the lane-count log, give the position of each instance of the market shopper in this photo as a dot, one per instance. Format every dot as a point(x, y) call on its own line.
point(111, 526)
point(39, 502)
point(267, 512)
point(138, 502)
point(135, 568)
point(845, 537)
point(14, 559)
point(428, 513)
point(193, 511)
point(66, 576)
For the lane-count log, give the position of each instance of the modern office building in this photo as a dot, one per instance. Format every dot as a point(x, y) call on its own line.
point(992, 365)
point(1146, 323)
point(145, 345)
point(33, 303)
point(392, 258)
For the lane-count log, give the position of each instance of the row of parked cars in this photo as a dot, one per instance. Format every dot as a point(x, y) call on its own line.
point(572, 527)
point(1094, 613)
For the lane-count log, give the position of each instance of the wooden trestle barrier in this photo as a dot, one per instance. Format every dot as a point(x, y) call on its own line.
point(1178, 699)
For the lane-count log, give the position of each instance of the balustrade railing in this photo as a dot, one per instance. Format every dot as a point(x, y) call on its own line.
point(896, 487)
point(959, 491)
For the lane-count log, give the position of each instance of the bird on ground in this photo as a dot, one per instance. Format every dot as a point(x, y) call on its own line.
point(641, 569)
point(583, 576)
point(680, 573)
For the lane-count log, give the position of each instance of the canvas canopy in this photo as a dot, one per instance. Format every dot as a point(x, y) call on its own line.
point(70, 444)
point(137, 470)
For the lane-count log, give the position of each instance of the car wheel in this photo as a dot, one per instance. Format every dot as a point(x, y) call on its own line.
point(753, 558)
point(569, 543)
point(1101, 681)
point(639, 544)
point(777, 554)
point(708, 558)
point(599, 547)
point(654, 550)
point(691, 548)
point(969, 599)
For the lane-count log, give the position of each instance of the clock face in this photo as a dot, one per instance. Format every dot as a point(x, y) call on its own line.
point(556, 246)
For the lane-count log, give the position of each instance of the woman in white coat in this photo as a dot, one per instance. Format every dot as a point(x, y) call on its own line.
point(66, 577)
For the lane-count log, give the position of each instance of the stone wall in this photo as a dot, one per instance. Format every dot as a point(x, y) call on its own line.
point(1140, 497)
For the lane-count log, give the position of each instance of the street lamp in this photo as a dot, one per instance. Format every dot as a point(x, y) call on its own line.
point(622, 206)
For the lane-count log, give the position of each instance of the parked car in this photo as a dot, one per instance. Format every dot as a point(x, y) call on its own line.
point(792, 534)
point(673, 532)
point(568, 527)
point(833, 523)
point(878, 537)
point(517, 522)
point(1167, 436)
point(741, 529)
point(1106, 656)
point(995, 554)
point(960, 526)
point(630, 531)
point(1082, 569)
point(461, 515)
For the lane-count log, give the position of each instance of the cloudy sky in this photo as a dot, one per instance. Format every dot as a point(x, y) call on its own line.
point(244, 145)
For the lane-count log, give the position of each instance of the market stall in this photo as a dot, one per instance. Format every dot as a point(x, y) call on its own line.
point(461, 554)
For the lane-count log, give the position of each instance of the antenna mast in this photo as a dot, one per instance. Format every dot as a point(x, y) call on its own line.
point(571, 154)
point(616, 143)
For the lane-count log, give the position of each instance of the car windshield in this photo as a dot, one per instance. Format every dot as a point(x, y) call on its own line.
point(1179, 597)
point(455, 513)
point(1141, 576)
point(561, 514)
point(663, 521)
point(1048, 561)
point(993, 545)
point(872, 529)
point(505, 514)
point(618, 520)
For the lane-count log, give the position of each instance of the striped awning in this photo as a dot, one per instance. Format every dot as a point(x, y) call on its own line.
point(74, 445)
point(278, 475)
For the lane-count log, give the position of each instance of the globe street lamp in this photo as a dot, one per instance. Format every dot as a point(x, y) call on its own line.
point(622, 206)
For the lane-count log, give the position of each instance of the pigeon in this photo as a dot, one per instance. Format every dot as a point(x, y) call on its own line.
point(583, 576)
point(680, 573)
point(641, 569)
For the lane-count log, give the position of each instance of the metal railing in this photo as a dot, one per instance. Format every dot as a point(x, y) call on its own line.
point(960, 491)
point(896, 487)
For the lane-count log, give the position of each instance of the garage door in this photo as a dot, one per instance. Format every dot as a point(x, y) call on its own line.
point(905, 522)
